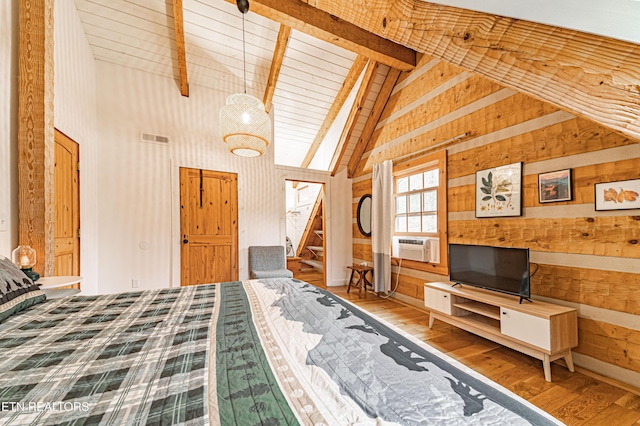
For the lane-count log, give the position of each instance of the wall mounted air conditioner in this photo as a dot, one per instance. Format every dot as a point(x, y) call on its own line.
point(422, 249)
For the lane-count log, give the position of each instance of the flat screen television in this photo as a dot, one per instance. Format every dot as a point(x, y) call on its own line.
point(503, 269)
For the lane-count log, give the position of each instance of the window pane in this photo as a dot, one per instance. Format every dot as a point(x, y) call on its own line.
point(401, 204)
point(414, 203)
point(401, 223)
point(431, 178)
point(430, 201)
point(415, 182)
point(402, 184)
point(429, 223)
point(414, 224)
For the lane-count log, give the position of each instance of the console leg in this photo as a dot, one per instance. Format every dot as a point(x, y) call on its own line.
point(569, 360)
point(546, 364)
point(431, 320)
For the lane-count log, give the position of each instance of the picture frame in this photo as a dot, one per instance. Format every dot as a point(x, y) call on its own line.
point(555, 186)
point(499, 191)
point(617, 195)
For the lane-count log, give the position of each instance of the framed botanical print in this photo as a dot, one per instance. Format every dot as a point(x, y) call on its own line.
point(620, 195)
point(499, 191)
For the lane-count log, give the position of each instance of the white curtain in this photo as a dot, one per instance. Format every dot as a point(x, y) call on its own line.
point(382, 225)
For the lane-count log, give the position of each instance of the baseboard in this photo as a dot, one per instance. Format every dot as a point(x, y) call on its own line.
point(338, 283)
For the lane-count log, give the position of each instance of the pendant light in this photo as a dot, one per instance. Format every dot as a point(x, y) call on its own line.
point(244, 124)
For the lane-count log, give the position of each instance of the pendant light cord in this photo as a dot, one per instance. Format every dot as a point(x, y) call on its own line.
point(244, 58)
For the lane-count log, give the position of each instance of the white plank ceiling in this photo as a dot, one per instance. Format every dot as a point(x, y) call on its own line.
point(140, 34)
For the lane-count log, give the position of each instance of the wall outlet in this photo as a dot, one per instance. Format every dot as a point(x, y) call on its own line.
point(135, 283)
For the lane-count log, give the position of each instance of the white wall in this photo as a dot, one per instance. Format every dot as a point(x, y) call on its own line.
point(8, 126)
point(75, 116)
point(138, 183)
point(338, 233)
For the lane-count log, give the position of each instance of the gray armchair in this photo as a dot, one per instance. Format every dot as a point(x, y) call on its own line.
point(268, 262)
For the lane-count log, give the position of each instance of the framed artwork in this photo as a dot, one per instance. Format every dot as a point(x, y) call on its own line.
point(620, 195)
point(554, 186)
point(499, 191)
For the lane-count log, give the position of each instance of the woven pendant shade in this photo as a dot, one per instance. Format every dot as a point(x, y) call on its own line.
point(245, 126)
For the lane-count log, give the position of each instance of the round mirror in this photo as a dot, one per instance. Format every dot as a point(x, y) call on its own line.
point(364, 215)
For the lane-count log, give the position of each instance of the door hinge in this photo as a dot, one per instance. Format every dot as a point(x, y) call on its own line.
point(78, 233)
point(78, 165)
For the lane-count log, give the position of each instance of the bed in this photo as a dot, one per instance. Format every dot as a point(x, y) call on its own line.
point(270, 351)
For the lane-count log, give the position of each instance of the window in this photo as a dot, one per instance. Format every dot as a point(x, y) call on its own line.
point(420, 204)
point(416, 201)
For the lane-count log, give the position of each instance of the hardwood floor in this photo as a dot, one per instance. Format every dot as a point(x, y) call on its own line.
point(573, 398)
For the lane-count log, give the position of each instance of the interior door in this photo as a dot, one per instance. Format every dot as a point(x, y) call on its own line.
point(208, 226)
point(66, 206)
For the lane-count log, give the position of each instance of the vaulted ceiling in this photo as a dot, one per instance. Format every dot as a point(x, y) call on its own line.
point(321, 65)
point(315, 88)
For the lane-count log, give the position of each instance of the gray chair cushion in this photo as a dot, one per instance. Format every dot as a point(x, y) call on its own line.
point(268, 262)
point(275, 273)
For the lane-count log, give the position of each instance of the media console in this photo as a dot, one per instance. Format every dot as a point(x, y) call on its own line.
point(539, 329)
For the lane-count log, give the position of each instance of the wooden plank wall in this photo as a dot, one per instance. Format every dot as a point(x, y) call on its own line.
point(587, 259)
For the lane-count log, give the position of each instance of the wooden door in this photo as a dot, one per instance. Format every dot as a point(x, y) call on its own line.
point(208, 226)
point(66, 206)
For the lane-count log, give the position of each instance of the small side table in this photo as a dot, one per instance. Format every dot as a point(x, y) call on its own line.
point(362, 277)
point(51, 286)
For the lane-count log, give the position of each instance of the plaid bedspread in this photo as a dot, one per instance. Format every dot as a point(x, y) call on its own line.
point(131, 358)
point(259, 352)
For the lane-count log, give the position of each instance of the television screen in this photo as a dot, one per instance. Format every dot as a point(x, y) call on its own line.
point(503, 269)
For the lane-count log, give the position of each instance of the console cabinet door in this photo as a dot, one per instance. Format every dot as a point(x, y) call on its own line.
point(528, 328)
point(437, 300)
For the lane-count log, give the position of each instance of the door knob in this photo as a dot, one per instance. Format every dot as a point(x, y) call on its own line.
point(185, 241)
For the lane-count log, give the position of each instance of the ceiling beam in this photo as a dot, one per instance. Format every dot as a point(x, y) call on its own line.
point(592, 76)
point(310, 20)
point(276, 64)
point(372, 120)
point(341, 97)
point(178, 24)
point(354, 114)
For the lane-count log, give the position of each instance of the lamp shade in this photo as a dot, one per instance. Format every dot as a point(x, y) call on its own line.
point(245, 126)
point(24, 257)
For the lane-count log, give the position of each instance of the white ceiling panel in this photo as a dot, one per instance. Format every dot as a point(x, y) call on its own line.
point(140, 34)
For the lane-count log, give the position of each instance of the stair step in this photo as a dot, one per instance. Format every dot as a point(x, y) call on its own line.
point(315, 248)
point(314, 263)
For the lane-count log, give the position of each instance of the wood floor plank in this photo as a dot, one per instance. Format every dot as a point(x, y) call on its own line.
point(574, 398)
point(614, 414)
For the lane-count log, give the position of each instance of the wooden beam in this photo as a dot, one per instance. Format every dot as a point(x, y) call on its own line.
point(372, 121)
point(354, 114)
point(276, 64)
point(593, 76)
point(36, 132)
point(343, 93)
point(307, 19)
point(178, 24)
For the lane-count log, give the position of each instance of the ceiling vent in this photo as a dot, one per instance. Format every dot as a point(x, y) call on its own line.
point(148, 137)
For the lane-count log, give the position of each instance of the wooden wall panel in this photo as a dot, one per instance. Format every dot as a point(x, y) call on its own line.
point(618, 291)
point(462, 198)
point(439, 74)
point(462, 94)
point(508, 112)
point(603, 236)
point(361, 188)
point(612, 344)
point(575, 136)
point(543, 136)
point(409, 286)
